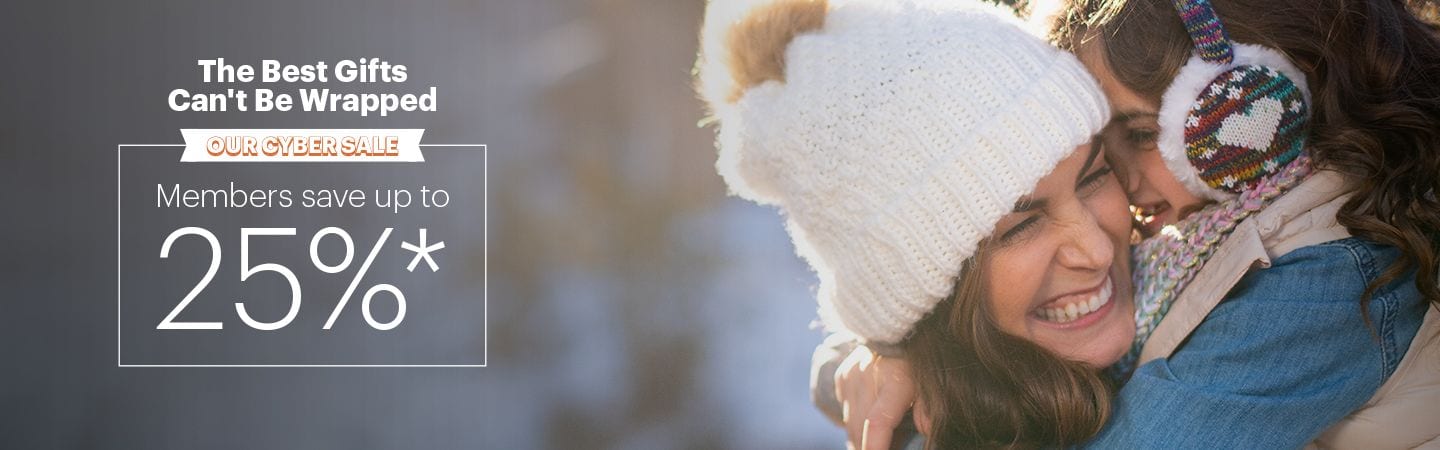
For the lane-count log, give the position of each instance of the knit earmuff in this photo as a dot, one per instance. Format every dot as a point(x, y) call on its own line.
point(1234, 114)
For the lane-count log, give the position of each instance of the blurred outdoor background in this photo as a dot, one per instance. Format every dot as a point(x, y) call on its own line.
point(684, 314)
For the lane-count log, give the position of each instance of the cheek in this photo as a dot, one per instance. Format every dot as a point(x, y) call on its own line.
point(1111, 210)
point(1151, 167)
point(1129, 170)
point(1013, 280)
point(1160, 179)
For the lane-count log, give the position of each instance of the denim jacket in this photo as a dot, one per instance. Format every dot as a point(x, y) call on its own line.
point(1267, 347)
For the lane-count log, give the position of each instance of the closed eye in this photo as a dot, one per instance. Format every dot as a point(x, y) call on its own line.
point(1019, 228)
point(1141, 138)
point(1095, 179)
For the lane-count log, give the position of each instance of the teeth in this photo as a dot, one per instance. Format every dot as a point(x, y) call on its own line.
point(1074, 311)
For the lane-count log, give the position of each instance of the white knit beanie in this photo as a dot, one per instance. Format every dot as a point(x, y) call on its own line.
point(893, 138)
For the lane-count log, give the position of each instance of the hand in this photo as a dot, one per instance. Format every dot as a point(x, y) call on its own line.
point(874, 394)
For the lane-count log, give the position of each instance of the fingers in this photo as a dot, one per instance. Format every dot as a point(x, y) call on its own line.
point(921, 417)
point(874, 393)
point(855, 388)
point(854, 410)
point(894, 399)
point(878, 432)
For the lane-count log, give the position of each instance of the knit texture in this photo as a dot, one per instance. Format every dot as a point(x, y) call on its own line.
point(1223, 127)
point(902, 131)
point(1203, 25)
point(1248, 123)
point(1167, 262)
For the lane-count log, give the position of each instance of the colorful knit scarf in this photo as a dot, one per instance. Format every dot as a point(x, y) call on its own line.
point(1165, 263)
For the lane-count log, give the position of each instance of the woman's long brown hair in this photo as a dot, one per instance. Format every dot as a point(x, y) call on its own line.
point(1373, 67)
point(983, 388)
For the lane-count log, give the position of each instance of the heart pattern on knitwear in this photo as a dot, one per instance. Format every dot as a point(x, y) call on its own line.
point(1246, 124)
point(1253, 130)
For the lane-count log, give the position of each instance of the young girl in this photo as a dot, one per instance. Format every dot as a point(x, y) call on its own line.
point(1369, 208)
point(935, 167)
point(1319, 329)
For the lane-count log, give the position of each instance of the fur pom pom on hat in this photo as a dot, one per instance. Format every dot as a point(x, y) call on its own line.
point(892, 135)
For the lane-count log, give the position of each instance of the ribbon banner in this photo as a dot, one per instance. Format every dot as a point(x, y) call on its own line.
point(302, 145)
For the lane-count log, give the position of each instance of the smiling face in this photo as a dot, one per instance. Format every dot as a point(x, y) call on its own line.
point(1157, 197)
point(1057, 268)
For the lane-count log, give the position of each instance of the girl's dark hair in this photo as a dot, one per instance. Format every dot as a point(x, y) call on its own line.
point(983, 388)
point(1373, 68)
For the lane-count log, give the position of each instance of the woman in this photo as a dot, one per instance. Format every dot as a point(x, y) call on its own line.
point(1375, 113)
point(935, 167)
